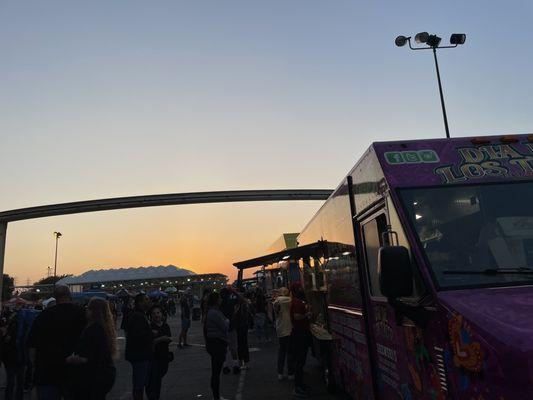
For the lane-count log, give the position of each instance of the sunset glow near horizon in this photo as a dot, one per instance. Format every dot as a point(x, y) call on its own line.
point(105, 99)
point(187, 236)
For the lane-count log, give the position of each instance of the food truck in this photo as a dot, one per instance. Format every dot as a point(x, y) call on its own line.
point(424, 272)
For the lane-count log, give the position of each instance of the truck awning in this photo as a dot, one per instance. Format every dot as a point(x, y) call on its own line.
point(318, 249)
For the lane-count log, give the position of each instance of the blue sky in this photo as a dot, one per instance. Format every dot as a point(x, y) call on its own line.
point(103, 99)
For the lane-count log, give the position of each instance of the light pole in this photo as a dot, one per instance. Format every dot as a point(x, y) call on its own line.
point(432, 42)
point(57, 235)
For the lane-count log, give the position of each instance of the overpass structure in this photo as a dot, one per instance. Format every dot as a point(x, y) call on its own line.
point(150, 201)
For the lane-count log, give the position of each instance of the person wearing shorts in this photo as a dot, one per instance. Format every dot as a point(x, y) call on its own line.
point(139, 345)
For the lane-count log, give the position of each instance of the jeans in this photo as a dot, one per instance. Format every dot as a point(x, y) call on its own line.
point(141, 372)
point(15, 382)
point(233, 346)
point(51, 392)
point(242, 345)
point(158, 370)
point(300, 342)
point(284, 354)
point(217, 350)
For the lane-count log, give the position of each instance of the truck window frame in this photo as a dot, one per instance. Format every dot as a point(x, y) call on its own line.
point(373, 215)
point(372, 212)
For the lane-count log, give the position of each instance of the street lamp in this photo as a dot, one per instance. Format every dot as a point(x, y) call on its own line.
point(432, 42)
point(57, 235)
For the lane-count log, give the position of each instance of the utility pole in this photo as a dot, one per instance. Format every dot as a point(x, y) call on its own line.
point(57, 235)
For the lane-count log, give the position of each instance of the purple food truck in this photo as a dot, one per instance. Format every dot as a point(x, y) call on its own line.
point(427, 279)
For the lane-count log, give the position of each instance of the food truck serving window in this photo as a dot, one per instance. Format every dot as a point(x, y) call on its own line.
point(475, 236)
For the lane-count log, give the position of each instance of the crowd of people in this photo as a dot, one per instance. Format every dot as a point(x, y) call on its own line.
point(229, 315)
point(68, 351)
point(65, 351)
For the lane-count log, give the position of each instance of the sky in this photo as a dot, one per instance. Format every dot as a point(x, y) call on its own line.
point(109, 98)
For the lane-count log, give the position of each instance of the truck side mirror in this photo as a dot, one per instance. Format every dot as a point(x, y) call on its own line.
point(395, 272)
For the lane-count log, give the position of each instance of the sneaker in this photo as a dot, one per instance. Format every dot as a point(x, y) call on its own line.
point(303, 389)
point(226, 370)
point(244, 367)
point(236, 370)
point(280, 377)
point(299, 394)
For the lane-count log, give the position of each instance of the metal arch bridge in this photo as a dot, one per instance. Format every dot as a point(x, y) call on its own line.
point(150, 201)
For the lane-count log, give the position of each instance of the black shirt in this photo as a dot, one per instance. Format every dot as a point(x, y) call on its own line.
point(99, 371)
point(228, 309)
point(185, 309)
point(161, 348)
point(94, 346)
point(54, 335)
point(242, 315)
point(139, 337)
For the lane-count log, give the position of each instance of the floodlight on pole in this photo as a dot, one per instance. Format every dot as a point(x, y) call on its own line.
point(401, 40)
point(421, 37)
point(457, 38)
point(432, 42)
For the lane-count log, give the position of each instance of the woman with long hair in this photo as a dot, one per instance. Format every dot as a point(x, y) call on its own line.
point(93, 358)
point(216, 340)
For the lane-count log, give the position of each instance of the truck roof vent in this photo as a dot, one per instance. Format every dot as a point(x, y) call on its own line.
point(480, 141)
point(509, 139)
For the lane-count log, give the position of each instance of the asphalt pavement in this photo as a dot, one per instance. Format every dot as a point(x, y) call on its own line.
point(189, 374)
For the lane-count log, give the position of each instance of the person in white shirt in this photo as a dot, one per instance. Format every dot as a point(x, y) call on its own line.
point(282, 310)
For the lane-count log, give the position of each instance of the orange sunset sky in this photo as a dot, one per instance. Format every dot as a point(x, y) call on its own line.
point(203, 238)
